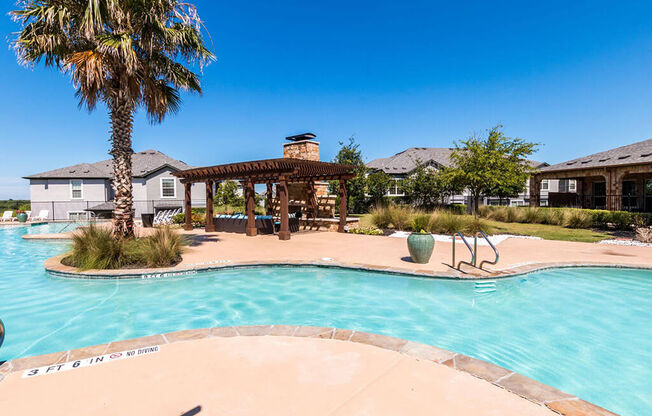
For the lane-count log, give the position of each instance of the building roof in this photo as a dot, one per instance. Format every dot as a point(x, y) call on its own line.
point(632, 154)
point(406, 161)
point(143, 164)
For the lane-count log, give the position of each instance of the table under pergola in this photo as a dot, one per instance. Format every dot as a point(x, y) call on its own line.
point(271, 172)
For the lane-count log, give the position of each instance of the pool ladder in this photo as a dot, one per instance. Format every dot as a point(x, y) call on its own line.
point(473, 250)
point(2, 332)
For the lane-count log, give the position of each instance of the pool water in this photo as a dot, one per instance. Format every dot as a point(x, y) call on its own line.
point(585, 331)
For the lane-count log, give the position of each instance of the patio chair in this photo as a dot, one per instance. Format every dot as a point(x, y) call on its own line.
point(7, 216)
point(42, 215)
point(29, 215)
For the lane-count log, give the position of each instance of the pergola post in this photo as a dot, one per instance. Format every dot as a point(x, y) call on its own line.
point(268, 200)
point(342, 225)
point(250, 200)
point(311, 199)
point(284, 230)
point(188, 206)
point(210, 225)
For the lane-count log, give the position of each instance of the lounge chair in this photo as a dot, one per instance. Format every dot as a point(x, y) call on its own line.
point(7, 216)
point(42, 215)
point(29, 215)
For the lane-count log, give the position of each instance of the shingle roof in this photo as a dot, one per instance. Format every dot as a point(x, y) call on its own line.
point(143, 163)
point(632, 154)
point(406, 161)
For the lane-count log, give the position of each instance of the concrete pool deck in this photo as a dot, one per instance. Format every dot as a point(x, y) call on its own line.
point(275, 370)
point(218, 250)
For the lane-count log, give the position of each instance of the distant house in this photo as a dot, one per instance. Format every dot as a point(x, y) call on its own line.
point(615, 179)
point(84, 190)
point(404, 163)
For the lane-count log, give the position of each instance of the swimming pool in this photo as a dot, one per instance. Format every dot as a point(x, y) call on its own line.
point(584, 331)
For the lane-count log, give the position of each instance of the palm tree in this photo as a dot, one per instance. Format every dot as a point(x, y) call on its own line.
point(124, 53)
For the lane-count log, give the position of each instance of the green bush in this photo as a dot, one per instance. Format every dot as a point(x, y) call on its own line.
point(380, 217)
point(459, 209)
point(366, 231)
point(553, 216)
point(532, 215)
point(577, 218)
point(161, 249)
point(95, 248)
point(567, 217)
point(447, 223)
point(400, 216)
point(420, 221)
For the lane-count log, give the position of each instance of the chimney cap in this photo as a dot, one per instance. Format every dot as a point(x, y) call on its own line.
point(299, 137)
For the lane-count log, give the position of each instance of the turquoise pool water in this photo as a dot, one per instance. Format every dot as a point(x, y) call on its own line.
point(585, 331)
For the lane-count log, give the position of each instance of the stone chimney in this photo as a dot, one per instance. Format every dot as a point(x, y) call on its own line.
point(304, 146)
point(301, 146)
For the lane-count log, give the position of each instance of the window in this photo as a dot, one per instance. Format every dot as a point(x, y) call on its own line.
point(544, 185)
point(572, 185)
point(76, 189)
point(396, 188)
point(168, 188)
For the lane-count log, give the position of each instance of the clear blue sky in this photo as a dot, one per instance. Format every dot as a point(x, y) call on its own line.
point(575, 76)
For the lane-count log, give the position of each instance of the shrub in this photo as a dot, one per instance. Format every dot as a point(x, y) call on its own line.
point(553, 216)
point(95, 248)
point(485, 211)
point(577, 218)
point(380, 217)
point(532, 215)
point(514, 214)
point(459, 209)
point(400, 217)
point(476, 224)
point(366, 231)
point(161, 249)
point(420, 221)
point(447, 223)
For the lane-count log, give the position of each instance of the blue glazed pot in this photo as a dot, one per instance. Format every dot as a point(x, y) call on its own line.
point(21, 217)
point(420, 247)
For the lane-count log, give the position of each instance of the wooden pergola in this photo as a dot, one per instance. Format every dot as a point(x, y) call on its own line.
point(270, 172)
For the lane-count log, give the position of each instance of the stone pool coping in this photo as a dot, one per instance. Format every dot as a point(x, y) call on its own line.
point(54, 267)
point(534, 391)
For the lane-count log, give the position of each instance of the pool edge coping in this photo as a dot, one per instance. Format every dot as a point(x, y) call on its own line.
point(525, 387)
point(54, 267)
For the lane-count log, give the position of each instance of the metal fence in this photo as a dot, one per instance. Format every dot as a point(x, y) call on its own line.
point(632, 203)
point(76, 210)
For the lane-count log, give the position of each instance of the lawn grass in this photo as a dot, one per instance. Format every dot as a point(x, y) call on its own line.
point(547, 232)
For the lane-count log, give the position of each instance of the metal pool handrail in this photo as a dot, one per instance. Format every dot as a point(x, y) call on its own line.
point(2, 332)
point(491, 245)
point(475, 244)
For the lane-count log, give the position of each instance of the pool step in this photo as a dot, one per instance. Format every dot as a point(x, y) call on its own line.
point(485, 286)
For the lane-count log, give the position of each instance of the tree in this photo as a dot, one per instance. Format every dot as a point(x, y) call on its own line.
point(426, 187)
point(227, 194)
point(495, 165)
point(350, 154)
point(123, 53)
point(378, 183)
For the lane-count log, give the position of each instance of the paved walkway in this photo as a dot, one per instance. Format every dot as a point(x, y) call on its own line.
point(387, 253)
point(257, 375)
point(392, 253)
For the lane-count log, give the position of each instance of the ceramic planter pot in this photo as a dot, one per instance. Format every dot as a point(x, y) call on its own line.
point(420, 247)
point(22, 217)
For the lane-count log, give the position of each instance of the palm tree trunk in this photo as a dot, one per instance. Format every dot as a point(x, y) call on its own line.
point(121, 127)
